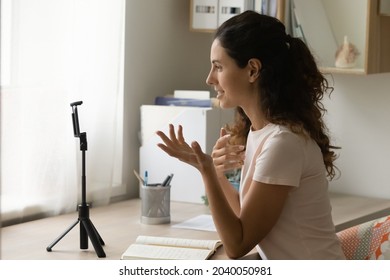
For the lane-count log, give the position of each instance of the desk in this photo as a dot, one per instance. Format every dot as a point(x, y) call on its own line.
point(119, 225)
point(350, 210)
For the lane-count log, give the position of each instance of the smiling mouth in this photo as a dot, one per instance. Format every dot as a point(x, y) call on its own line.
point(219, 93)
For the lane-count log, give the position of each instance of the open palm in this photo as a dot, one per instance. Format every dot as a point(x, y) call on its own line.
point(176, 146)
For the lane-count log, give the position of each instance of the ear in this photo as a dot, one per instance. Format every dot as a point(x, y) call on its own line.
point(254, 66)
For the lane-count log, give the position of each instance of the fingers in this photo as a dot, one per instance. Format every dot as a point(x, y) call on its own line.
point(163, 137)
point(229, 161)
point(222, 148)
point(175, 145)
point(222, 132)
point(172, 139)
point(168, 143)
point(180, 135)
point(223, 141)
point(172, 134)
point(196, 148)
point(226, 156)
point(205, 162)
point(228, 150)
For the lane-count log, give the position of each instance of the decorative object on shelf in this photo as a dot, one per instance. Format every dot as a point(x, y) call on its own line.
point(346, 55)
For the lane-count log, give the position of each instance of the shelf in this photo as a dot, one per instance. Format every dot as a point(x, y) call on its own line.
point(335, 70)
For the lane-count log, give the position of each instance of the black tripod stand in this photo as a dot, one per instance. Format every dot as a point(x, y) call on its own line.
point(87, 229)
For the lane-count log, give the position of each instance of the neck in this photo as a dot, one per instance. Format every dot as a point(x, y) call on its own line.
point(258, 126)
point(258, 121)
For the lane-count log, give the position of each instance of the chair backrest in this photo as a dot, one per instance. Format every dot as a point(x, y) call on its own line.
point(367, 241)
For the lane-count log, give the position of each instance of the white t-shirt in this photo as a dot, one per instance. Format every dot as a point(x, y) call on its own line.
point(305, 229)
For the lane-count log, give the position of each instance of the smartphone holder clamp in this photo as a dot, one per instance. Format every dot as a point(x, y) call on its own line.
point(87, 229)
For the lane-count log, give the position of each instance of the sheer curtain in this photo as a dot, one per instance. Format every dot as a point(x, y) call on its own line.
point(55, 52)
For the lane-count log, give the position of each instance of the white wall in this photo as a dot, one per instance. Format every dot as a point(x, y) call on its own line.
point(359, 118)
point(161, 55)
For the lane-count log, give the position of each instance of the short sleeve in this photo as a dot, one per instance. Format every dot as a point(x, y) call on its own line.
point(281, 160)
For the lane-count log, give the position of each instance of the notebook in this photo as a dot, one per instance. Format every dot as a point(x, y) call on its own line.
point(169, 248)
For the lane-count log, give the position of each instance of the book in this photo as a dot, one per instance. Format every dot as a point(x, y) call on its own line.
point(169, 248)
point(190, 102)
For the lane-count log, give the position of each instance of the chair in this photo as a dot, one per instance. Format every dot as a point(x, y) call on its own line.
point(367, 241)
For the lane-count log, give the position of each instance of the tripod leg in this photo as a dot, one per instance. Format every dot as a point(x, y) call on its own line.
point(98, 235)
point(91, 231)
point(83, 236)
point(48, 248)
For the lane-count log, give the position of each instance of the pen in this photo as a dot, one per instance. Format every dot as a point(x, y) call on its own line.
point(166, 181)
point(146, 178)
point(139, 177)
point(169, 181)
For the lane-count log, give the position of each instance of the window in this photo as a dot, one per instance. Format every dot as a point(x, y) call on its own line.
point(55, 52)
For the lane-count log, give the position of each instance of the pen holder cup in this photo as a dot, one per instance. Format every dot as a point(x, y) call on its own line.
point(155, 201)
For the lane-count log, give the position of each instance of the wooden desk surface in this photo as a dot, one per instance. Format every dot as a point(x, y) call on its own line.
point(350, 210)
point(119, 225)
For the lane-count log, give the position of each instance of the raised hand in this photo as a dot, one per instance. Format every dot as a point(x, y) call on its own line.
point(225, 156)
point(176, 146)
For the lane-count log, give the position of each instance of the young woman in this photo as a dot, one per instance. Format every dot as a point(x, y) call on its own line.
point(279, 140)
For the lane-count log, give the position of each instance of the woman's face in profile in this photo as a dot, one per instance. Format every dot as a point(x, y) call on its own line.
point(230, 82)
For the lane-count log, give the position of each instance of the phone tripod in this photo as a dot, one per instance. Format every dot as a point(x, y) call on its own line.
point(87, 229)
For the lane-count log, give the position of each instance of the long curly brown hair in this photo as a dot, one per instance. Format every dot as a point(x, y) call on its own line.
point(291, 85)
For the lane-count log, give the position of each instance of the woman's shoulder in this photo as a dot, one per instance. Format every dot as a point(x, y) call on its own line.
point(278, 129)
point(282, 134)
point(278, 134)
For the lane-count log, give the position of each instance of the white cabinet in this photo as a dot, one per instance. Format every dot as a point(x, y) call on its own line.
point(199, 124)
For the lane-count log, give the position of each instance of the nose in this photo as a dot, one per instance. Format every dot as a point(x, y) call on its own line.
point(210, 80)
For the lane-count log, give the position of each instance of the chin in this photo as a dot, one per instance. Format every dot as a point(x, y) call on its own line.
point(225, 105)
point(224, 102)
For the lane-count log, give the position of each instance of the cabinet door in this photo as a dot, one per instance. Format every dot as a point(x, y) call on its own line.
point(207, 15)
point(203, 15)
